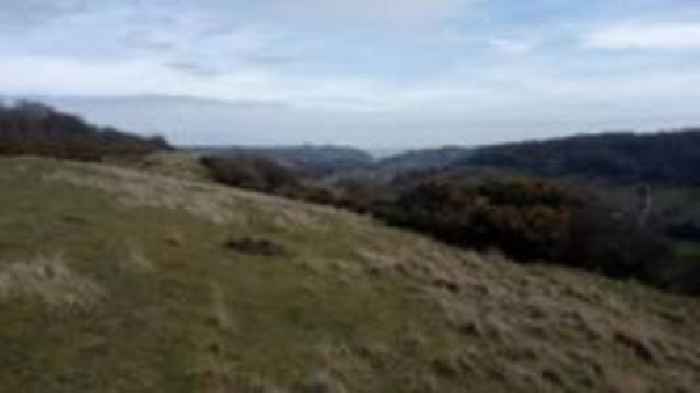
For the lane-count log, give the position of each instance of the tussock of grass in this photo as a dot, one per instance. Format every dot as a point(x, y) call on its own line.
point(136, 260)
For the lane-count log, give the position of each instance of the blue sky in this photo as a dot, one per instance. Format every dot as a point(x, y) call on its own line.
point(362, 72)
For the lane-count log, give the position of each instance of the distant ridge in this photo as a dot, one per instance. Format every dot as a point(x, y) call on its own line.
point(662, 157)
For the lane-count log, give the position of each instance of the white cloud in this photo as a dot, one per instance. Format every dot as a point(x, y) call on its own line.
point(384, 70)
point(646, 36)
point(66, 76)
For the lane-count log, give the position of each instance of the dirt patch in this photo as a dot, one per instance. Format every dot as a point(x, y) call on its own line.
point(256, 246)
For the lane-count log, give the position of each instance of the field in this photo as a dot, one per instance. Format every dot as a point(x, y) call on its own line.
point(115, 280)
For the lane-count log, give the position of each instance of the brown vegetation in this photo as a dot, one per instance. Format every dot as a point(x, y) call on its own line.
point(529, 219)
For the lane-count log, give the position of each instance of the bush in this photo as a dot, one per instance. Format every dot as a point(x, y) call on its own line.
point(531, 221)
point(615, 245)
point(252, 172)
point(522, 219)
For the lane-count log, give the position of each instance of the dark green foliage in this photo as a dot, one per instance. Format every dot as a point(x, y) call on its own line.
point(613, 244)
point(683, 278)
point(34, 129)
point(687, 230)
point(526, 220)
point(362, 196)
point(666, 157)
point(262, 174)
point(251, 172)
point(534, 220)
point(529, 219)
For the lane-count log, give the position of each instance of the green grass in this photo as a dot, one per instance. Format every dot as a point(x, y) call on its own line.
point(160, 331)
point(362, 303)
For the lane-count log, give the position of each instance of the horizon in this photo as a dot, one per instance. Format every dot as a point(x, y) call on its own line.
point(423, 75)
point(403, 149)
point(377, 152)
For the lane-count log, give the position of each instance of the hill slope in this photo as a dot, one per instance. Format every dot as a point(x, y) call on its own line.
point(113, 280)
point(663, 157)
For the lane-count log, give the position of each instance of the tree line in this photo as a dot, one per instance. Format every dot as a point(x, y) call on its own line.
point(663, 157)
point(30, 128)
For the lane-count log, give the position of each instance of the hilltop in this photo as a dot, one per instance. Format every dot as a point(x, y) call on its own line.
point(118, 280)
point(32, 128)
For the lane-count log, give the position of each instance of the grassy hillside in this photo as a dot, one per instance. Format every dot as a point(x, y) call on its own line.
point(114, 280)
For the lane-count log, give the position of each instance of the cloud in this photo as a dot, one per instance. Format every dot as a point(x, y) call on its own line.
point(394, 72)
point(410, 12)
point(193, 69)
point(31, 13)
point(66, 76)
point(222, 36)
point(646, 36)
point(511, 46)
point(271, 59)
point(149, 39)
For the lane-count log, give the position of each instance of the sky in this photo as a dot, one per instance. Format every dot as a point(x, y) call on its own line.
point(369, 73)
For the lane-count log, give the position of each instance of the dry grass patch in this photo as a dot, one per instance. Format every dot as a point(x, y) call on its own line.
point(175, 164)
point(141, 190)
point(214, 203)
point(220, 311)
point(556, 328)
point(136, 260)
point(49, 280)
point(322, 382)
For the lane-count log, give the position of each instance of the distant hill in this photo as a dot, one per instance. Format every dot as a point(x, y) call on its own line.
point(422, 159)
point(116, 280)
point(30, 128)
point(664, 157)
point(312, 159)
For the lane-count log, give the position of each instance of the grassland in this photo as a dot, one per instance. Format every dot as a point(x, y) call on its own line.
point(115, 280)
